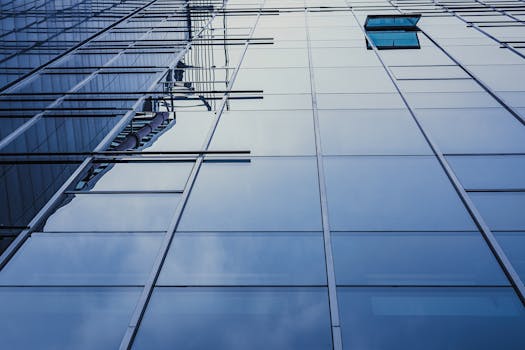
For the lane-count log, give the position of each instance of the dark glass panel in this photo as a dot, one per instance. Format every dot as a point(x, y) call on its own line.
point(279, 194)
point(392, 193)
point(83, 259)
point(245, 258)
point(431, 318)
point(414, 258)
point(236, 318)
point(65, 318)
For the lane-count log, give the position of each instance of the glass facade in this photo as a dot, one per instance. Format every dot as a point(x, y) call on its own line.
point(262, 174)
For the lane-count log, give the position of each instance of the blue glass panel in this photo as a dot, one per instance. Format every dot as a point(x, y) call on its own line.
point(353, 80)
point(139, 176)
point(379, 21)
point(187, 133)
point(236, 318)
point(8, 125)
point(345, 132)
point(392, 193)
point(65, 318)
point(414, 258)
point(501, 211)
point(274, 80)
point(115, 212)
point(245, 258)
point(290, 132)
point(476, 130)
point(431, 318)
point(62, 135)
point(280, 194)
point(27, 187)
point(272, 102)
point(489, 172)
point(513, 243)
point(82, 259)
point(393, 40)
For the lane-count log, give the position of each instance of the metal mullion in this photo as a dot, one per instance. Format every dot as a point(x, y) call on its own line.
point(117, 192)
point(142, 304)
point(337, 341)
point(21, 129)
point(485, 231)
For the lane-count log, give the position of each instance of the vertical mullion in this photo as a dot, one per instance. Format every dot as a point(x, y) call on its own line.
point(329, 261)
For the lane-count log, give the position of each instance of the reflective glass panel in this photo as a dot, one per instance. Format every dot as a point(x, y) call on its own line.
point(393, 39)
point(431, 318)
point(65, 318)
point(279, 194)
point(489, 172)
point(266, 133)
point(473, 130)
point(501, 211)
point(513, 243)
point(82, 259)
point(249, 318)
point(391, 21)
point(116, 212)
point(48, 134)
point(144, 177)
point(245, 258)
point(353, 80)
point(370, 132)
point(392, 193)
point(414, 258)
point(187, 133)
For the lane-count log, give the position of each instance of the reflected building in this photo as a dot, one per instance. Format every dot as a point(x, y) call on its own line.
point(262, 174)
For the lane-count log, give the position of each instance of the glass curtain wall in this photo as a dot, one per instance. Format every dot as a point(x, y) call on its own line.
point(271, 177)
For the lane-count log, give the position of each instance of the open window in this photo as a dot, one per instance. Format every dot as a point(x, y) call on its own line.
point(392, 31)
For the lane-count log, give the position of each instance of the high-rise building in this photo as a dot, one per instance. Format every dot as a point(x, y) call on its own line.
point(262, 174)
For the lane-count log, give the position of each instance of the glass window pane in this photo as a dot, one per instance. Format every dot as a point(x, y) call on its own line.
point(274, 58)
point(489, 172)
point(263, 194)
point(393, 39)
point(68, 134)
point(65, 318)
point(391, 21)
point(450, 100)
point(370, 132)
point(144, 177)
point(82, 259)
point(344, 57)
point(357, 101)
point(249, 318)
point(120, 212)
point(272, 102)
point(392, 193)
point(414, 258)
point(476, 130)
point(274, 80)
point(428, 72)
point(245, 258)
point(431, 318)
point(501, 211)
point(513, 243)
point(353, 80)
point(266, 133)
point(188, 133)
